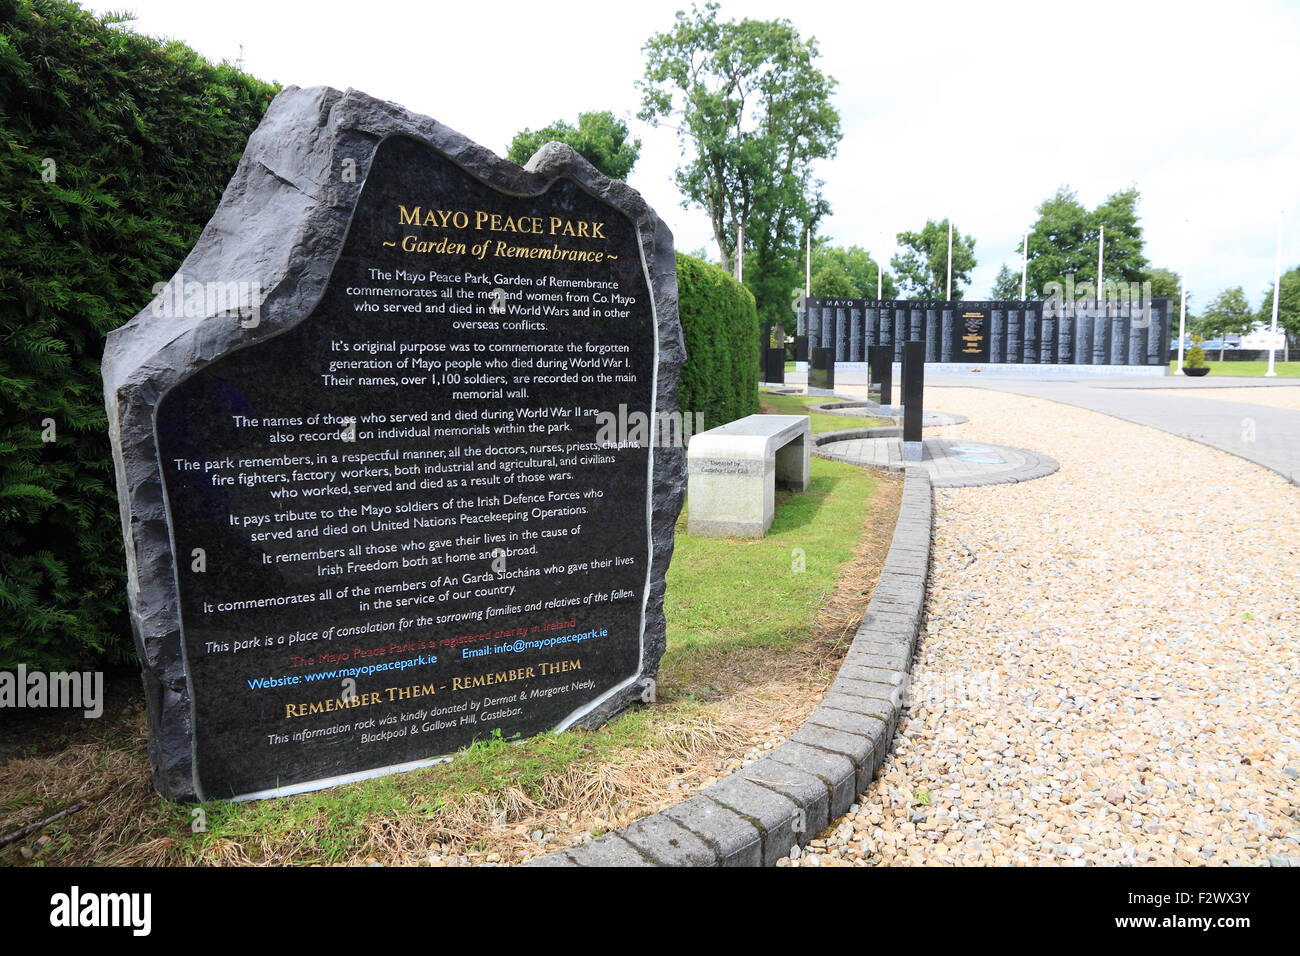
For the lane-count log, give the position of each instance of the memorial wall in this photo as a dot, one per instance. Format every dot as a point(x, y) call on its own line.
point(998, 333)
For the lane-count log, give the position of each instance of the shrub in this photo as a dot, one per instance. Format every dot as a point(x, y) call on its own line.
point(114, 151)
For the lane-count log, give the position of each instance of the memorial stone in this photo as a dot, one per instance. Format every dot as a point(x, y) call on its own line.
point(1030, 337)
point(881, 369)
point(932, 344)
point(913, 399)
point(1015, 332)
point(801, 348)
point(412, 495)
point(821, 370)
point(774, 372)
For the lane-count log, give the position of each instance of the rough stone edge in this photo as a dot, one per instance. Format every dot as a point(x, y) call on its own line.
point(758, 813)
point(282, 223)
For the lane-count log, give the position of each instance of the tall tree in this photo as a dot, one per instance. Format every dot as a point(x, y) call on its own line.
point(600, 138)
point(922, 267)
point(1006, 287)
point(850, 273)
point(753, 112)
point(1228, 314)
point(1063, 241)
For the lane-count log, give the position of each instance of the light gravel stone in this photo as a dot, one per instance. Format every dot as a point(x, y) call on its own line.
point(1103, 631)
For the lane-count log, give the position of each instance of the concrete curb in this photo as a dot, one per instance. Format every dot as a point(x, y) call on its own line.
point(757, 814)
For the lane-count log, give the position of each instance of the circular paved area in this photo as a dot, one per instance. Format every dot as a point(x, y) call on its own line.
point(952, 463)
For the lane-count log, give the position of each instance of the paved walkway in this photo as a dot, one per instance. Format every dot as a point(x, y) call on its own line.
point(1262, 434)
point(952, 463)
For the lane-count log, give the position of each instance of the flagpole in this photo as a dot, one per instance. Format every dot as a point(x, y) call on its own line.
point(1182, 319)
point(880, 275)
point(1277, 295)
point(1101, 242)
point(1024, 267)
point(740, 253)
point(948, 289)
point(807, 276)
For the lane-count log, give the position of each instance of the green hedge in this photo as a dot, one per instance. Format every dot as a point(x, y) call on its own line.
point(720, 328)
point(114, 151)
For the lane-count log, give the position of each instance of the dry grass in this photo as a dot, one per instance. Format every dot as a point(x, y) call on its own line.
point(766, 693)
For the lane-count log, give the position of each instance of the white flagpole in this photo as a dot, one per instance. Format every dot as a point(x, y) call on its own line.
point(807, 276)
point(740, 253)
point(880, 273)
point(1024, 267)
point(1277, 295)
point(1182, 319)
point(948, 290)
point(1101, 242)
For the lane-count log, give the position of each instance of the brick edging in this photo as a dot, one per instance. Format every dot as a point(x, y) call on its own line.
point(757, 814)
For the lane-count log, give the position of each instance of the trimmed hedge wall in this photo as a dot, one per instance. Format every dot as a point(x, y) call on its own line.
point(720, 328)
point(114, 151)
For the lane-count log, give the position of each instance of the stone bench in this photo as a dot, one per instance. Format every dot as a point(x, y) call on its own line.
point(733, 471)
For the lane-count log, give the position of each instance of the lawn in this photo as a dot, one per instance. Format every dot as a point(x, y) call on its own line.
point(772, 404)
point(1246, 369)
point(740, 612)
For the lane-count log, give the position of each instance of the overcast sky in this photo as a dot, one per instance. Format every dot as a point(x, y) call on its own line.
point(983, 109)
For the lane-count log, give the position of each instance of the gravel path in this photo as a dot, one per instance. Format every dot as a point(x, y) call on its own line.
point(1108, 669)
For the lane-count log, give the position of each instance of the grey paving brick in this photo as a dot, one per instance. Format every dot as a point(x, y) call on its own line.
point(608, 850)
point(835, 770)
point(870, 672)
point(736, 840)
point(771, 813)
point(857, 748)
point(862, 688)
point(805, 789)
point(559, 858)
point(669, 842)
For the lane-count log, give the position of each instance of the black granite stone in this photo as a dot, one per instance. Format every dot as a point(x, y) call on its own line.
point(774, 374)
point(801, 348)
point(971, 334)
point(1035, 332)
point(1030, 337)
point(764, 343)
point(821, 369)
point(374, 519)
point(880, 368)
point(932, 335)
point(913, 389)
